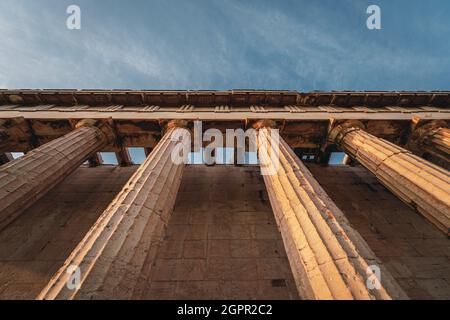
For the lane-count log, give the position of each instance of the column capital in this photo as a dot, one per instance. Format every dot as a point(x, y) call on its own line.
point(265, 123)
point(104, 128)
point(431, 140)
point(7, 123)
point(167, 125)
point(12, 131)
point(176, 123)
point(426, 128)
point(88, 123)
point(340, 129)
point(11, 123)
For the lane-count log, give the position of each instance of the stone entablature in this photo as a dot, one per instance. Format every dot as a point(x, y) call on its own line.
point(232, 98)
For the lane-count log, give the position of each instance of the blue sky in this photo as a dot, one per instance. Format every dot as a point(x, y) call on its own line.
point(225, 44)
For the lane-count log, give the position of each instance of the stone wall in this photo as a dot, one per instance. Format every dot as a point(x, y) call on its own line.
point(222, 241)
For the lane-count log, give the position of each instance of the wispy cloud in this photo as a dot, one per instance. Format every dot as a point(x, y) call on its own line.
point(222, 44)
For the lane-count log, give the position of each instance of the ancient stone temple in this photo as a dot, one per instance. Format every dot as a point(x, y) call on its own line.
point(357, 205)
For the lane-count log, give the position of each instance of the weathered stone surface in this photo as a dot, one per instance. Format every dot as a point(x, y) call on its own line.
point(217, 245)
point(118, 252)
point(36, 244)
point(328, 258)
point(14, 133)
point(25, 180)
point(419, 183)
point(431, 140)
point(50, 229)
point(387, 225)
point(438, 143)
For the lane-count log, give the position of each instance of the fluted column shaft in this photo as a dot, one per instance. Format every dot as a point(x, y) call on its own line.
point(116, 255)
point(432, 138)
point(25, 180)
point(328, 258)
point(438, 143)
point(419, 183)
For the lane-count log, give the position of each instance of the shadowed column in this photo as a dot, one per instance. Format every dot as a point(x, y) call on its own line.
point(329, 259)
point(419, 183)
point(25, 180)
point(431, 138)
point(6, 157)
point(3, 138)
point(14, 133)
point(116, 255)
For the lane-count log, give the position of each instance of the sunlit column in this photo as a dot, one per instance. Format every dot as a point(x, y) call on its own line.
point(419, 183)
point(328, 258)
point(116, 255)
point(432, 138)
point(25, 180)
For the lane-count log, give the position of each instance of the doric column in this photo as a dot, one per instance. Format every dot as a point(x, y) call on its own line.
point(3, 138)
point(123, 157)
point(5, 157)
point(116, 255)
point(13, 133)
point(431, 138)
point(417, 182)
point(5, 135)
point(25, 180)
point(95, 160)
point(328, 258)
